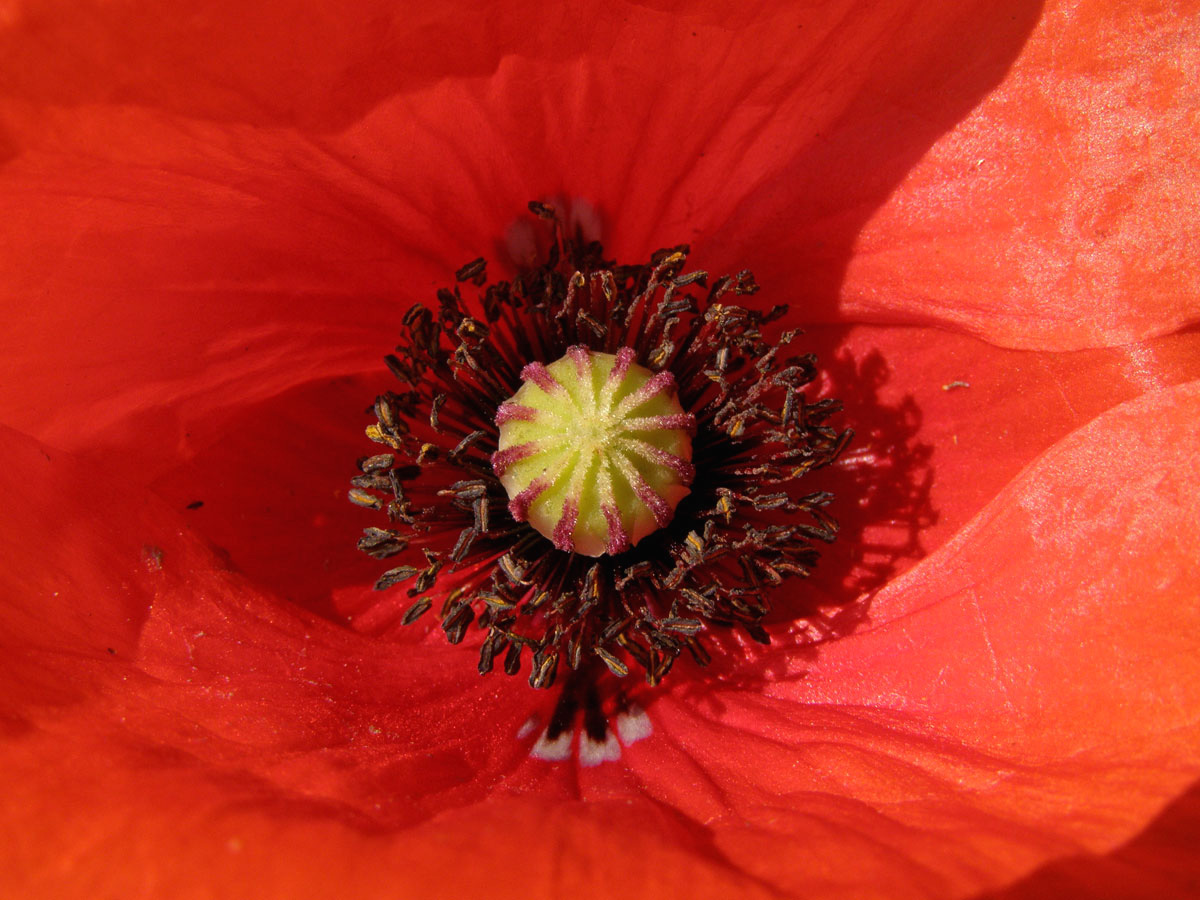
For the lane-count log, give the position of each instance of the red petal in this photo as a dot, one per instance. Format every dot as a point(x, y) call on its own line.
point(1062, 212)
point(1029, 692)
point(944, 421)
point(1157, 864)
point(169, 730)
point(182, 269)
point(975, 708)
point(165, 271)
point(209, 238)
point(289, 62)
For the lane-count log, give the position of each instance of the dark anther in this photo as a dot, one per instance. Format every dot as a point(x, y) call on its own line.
point(417, 610)
point(471, 270)
point(512, 660)
point(394, 576)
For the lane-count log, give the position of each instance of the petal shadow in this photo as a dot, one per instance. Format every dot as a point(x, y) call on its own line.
point(1159, 863)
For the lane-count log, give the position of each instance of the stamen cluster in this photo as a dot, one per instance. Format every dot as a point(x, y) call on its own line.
point(746, 524)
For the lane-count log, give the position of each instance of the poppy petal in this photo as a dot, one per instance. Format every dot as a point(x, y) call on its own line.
point(952, 744)
point(980, 411)
point(169, 253)
point(172, 275)
point(202, 737)
point(1061, 212)
point(1026, 693)
point(194, 246)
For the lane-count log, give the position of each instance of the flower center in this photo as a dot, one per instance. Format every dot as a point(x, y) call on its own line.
point(595, 450)
point(495, 460)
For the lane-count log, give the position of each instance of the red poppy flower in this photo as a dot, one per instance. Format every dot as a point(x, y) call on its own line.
point(215, 217)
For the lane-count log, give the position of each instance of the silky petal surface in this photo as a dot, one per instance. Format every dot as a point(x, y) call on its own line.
point(212, 231)
point(1027, 692)
point(1062, 212)
point(187, 229)
point(950, 745)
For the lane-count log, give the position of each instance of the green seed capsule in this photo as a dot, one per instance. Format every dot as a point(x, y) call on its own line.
point(595, 450)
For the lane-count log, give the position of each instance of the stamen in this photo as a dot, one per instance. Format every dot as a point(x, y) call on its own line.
point(598, 465)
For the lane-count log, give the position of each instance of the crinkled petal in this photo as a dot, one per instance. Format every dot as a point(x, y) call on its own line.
point(970, 415)
point(202, 241)
point(1028, 693)
point(195, 228)
point(158, 270)
point(297, 63)
point(165, 728)
point(1156, 864)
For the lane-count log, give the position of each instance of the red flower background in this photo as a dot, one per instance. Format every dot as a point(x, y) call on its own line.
point(214, 218)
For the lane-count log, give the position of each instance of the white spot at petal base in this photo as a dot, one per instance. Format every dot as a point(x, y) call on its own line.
point(553, 750)
point(593, 752)
point(633, 725)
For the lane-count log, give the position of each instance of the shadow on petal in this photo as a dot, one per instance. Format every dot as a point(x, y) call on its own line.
point(882, 503)
point(1158, 864)
point(797, 228)
point(272, 480)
